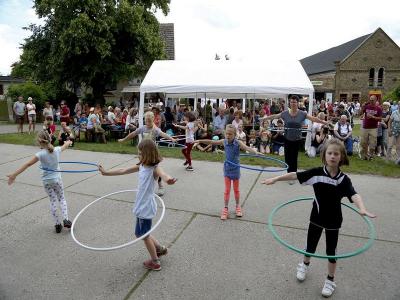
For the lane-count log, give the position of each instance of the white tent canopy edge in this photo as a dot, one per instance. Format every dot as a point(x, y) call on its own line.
point(225, 79)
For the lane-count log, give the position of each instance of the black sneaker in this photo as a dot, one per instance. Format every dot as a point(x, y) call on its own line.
point(185, 163)
point(189, 168)
point(58, 228)
point(67, 223)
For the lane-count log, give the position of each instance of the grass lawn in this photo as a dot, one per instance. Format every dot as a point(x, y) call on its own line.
point(376, 167)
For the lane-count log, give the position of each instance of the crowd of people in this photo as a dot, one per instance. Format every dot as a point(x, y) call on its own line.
point(266, 125)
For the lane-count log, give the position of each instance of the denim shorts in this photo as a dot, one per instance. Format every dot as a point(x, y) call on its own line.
point(142, 226)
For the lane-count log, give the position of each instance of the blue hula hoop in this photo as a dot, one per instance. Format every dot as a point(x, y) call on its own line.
point(365, 247)
point(284, 165)
point(74, 171)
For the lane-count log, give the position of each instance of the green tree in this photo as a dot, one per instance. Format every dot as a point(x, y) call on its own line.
point(28, 89)
point(393, 95)
point(91, 42)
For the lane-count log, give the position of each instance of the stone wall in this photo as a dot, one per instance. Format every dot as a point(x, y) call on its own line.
point(378, 51)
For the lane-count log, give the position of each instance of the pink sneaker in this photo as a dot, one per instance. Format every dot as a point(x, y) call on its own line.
point(152, 265)
point(224, 213)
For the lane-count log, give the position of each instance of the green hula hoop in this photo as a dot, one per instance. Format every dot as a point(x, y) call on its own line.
point(367, 245)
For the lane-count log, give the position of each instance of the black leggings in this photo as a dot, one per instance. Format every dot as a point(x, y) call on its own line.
point(291, 154)
point(313, 236)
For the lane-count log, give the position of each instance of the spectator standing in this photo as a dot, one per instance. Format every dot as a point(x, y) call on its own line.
point(64, 113)
point(372, 114)
point(47, 111)
point(394, 106)
point(382, 141)
point(78, 108)
point(293, 120)
point(394, 134)
point(19, 111)
point(208, 112)
point(31, 108)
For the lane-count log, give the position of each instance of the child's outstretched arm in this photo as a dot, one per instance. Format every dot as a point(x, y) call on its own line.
point(360, 204)
point(211, 142)
point(164, 176)
point(66, 145)
point(287, 176)
point(11, 177)
point(180, 126)
point(119, 171)
point(244, 147)
point(129, 136)
point(166, 136)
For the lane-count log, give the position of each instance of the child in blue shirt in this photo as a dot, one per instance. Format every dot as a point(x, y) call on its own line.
point(49, 158)
point(232, 148)
point(145, 207)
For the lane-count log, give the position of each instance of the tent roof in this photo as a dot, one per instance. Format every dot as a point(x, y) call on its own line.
point(224, 78)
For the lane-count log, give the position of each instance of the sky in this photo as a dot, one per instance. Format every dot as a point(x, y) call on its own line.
point(244, 30)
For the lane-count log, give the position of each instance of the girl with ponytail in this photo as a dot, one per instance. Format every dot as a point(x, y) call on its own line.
point(49, 158)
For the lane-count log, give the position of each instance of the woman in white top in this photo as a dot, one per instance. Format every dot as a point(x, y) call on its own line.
point(31, 108)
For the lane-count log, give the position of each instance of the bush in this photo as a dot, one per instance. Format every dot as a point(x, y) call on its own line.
point(26, 90)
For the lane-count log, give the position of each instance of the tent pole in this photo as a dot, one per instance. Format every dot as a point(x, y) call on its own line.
point(195, 102)
point(310, 110)
point(141, 111)
point(254, 109)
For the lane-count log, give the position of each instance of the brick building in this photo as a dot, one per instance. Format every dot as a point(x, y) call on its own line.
point(366, 65)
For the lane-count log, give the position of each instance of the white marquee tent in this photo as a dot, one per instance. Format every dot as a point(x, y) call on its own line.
point(226, 79)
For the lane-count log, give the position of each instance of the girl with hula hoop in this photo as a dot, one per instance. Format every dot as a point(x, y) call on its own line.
point(330, 186)
point(152, 132)
point(231, 170)
point(49, 158)
point(190, 128)
point(145, 207)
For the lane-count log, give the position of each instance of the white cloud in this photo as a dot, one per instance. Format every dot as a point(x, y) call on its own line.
point(252, 29)
point(258, 29)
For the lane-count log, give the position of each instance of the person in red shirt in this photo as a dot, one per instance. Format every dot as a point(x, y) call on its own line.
point(372, 115)
point(64, 113)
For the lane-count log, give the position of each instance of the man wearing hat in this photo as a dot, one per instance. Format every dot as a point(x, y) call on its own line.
point(31, 108)
point(19, 111)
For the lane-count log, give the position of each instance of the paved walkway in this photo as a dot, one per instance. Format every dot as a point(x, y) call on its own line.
point(208, 258)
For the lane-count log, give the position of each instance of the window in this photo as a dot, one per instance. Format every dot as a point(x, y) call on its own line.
point(380, 77)
point(343, 97)
point(371, 77)
point(355, 97)
point(1, 89)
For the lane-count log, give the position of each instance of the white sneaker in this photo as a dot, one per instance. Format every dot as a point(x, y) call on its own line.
point(301, 271)
point(329, 288)
point(160, 191)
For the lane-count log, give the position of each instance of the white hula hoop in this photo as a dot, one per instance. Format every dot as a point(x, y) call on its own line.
point(122, 245)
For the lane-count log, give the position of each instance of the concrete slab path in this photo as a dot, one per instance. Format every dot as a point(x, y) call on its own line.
point(208, 258)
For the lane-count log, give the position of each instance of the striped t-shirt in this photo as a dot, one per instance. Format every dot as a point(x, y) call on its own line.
point(329, 191)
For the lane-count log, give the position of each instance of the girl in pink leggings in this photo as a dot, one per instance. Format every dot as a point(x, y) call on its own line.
point(190, 128)
point(231, 167)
